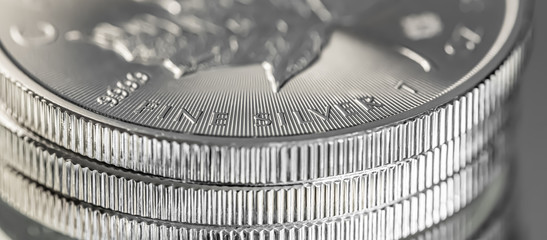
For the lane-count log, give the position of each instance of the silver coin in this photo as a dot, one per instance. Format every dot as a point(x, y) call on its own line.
point(499, 225)
point(104, 94)
point(369, 68)
point(157, 198)
point(273, 163)
point(485, 218)
point(248, 119)
point(409, 216)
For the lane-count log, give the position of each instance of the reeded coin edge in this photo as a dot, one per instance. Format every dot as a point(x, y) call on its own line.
point(467, 144)
point(513, 28)
point(274, 163)
point(238, 205)
point(485, 218)
point(461, 225)
point(65, 172)
point(83, 220)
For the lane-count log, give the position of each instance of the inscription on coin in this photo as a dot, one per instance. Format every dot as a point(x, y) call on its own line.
point(414, 56)
point(422, 26)
point(210, 65)
point(402, 85)
point(122, 89)
point(260, 119)
point(472, 5)
point(463, 39)
point(42, 33)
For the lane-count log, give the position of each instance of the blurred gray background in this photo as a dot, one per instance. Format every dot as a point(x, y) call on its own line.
point(532, 135)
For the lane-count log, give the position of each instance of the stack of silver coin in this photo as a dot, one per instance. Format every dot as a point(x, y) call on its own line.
point(258, 119)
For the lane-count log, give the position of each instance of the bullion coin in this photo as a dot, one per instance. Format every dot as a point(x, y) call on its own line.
point(257, 92)
point(477, 155)
point(259, 119)
point(409, 216)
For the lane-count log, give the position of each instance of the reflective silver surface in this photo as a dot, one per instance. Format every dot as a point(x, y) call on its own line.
point(84, 221)
point(450, 168)
point(439, 48)
point(247, 119)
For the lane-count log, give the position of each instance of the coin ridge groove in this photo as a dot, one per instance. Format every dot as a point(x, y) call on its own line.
point(466, 224)
point(78, 219)
point(202, 205)
point(474, 139)
point(272, 163)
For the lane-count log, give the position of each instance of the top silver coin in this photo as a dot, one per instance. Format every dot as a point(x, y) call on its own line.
point(302, 69)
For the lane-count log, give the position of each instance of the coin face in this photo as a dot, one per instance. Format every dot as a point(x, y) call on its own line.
point(249, 68)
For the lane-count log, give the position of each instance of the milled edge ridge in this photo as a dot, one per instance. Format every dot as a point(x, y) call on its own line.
point(279, 163)
point(75, 178)
point(81, 220)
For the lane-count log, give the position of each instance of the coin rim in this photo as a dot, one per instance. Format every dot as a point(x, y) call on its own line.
point(66, 209)
point(515, 31)
point(10, 191)
point(57, 169)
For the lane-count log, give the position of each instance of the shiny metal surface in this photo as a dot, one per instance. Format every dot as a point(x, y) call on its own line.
point(262, 164)
point(329, 98)
point(500, 225)
point(321, 199)
point(247, 119)
point(85, 221)
point(199, 158)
